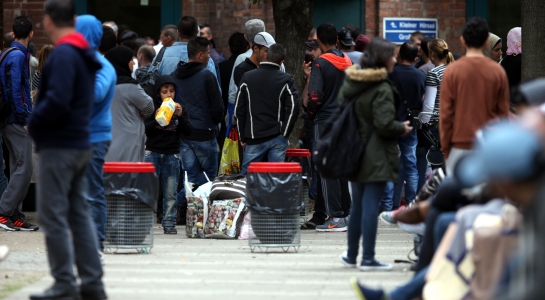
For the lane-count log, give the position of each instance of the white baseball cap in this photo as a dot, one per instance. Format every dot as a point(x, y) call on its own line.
point(264, 39)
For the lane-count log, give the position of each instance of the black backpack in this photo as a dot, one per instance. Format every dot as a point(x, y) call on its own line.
point(339, 151)
point(5, 104)
point(147, 82)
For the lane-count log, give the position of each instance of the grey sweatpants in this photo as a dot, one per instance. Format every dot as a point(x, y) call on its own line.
point(19, 145)
point(70, 234)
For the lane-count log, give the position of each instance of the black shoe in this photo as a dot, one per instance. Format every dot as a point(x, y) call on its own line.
point(57, 293)
point(24, 225)
point(170, 230)
point(6, 223)
point(101, 295)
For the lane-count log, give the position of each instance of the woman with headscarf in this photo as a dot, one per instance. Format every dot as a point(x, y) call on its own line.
point(493, 50)
point(129, 107)
point(513, 60)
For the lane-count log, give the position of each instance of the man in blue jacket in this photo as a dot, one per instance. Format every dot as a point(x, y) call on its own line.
point(59, 126)
point(100, 126)
point(14, 76)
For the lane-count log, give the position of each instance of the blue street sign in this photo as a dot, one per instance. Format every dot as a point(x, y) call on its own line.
point(398, 30)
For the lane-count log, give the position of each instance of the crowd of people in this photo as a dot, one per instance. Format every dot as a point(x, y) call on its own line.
point(453, 145)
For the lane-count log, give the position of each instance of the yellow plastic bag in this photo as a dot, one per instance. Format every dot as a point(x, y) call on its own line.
point(230, 161)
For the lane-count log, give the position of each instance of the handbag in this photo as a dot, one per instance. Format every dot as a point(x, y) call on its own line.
point(228, 187)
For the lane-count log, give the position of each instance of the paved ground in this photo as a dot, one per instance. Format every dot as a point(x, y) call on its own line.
point(212, 269)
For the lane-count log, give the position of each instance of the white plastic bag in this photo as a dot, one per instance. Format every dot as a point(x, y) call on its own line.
point(246, 231)
point(204, 190)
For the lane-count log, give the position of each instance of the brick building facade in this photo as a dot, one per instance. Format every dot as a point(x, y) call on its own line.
point(228, 16)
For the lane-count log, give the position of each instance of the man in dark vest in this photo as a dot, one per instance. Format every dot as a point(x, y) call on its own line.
point(201, 98)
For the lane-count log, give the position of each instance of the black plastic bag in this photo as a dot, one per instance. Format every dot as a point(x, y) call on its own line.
point(274, 193)
point(143, 187)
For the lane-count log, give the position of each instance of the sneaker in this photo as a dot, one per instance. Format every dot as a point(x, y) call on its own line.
point(170, 230)
point(365, 293)
point(388, 217)
point(346, 262)
point(332, 226)
point(101, 256)
point(4, 251)
point(24, 225)
point(419, 228)
point(6, 223)
point(374, 265)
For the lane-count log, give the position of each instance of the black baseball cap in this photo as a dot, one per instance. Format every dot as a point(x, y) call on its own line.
point(345, 37)
point(312, 44)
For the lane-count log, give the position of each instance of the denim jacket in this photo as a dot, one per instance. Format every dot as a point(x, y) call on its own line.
point(176, 53)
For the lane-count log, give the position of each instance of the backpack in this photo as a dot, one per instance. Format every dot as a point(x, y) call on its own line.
point(147, 82)
point(5, 104)
point(339, 151)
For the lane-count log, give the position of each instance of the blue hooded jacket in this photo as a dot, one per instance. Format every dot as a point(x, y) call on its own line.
point(100, 126)
point(14, 74)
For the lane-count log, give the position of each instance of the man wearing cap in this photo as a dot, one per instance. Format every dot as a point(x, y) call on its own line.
point(260, 46)
point(346, 45)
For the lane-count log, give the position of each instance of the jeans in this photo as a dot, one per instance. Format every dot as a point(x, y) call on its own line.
point(167, 168)
point(3, 178)
point(70, 234)
point(275, 150)
point(199, 157)
point(386, 203)
point(19, 145)
point(363, 218)
point(96, 200)
point(407, 168)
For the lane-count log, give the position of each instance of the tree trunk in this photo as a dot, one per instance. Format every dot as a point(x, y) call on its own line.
point(293, 21)
point(533, 33)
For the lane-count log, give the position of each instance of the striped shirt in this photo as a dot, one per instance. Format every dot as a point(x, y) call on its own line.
point(434, 78)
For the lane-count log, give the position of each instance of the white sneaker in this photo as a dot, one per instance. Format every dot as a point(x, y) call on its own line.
point(101, 256)
point(4, 251)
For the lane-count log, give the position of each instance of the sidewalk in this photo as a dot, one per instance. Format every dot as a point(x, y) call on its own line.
point(211, 269)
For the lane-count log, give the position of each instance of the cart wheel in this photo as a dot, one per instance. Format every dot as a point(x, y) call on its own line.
point(252, 249)
point(296, 249)
point(286, 249)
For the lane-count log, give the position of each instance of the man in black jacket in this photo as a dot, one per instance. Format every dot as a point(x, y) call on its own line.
point(201, 97)
point(266, 113)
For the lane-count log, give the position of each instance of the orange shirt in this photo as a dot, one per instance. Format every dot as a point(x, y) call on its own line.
point(474, 91)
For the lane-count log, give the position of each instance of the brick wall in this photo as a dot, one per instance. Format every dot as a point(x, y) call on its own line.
point(451, 15)
point(34, 9)
point(228, 16)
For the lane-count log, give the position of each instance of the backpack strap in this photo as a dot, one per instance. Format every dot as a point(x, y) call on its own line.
point(5, 53)
point(158, 60)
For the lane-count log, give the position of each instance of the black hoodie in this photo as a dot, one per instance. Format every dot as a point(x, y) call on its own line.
point(166, 140)
point(201, 97)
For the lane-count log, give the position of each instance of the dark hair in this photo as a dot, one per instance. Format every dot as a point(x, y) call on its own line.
point(475, 32)
point(378, 53)
point(424, 45)
point(61, 12)
point(238, 44)
point(137, 44)
point(355, 30)
point(147, 52)
point(327, 34)
point(108, 40)
point(187, 26)
point(171, 31)
point(8, 39)
point(276, 54)
point(22, 27)
point(196, 45)
point(417, 35)
point(408, 52)
point(205, 26)
point(32, 48)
